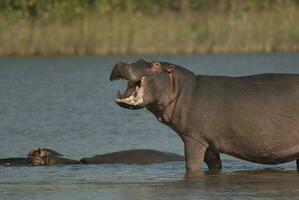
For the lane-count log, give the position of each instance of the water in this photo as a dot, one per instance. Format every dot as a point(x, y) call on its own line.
point(67, 104)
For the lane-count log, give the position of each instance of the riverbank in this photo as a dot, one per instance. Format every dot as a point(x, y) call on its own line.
point(270, 30)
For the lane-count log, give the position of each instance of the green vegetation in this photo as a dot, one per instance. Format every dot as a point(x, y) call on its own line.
point(103, 27)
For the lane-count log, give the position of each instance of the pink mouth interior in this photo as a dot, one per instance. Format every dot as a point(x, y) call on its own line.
point(131, 90)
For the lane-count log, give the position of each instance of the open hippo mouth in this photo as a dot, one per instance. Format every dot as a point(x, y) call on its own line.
point(133, 96)
point(135, 74)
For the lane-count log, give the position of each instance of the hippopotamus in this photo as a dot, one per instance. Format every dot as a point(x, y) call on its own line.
point(254, 118)
point(49, 157)
point(134, 156)
point(39, 157)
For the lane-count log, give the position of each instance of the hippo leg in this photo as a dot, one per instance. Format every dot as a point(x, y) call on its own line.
point(213, 160)
point(194, 153)
point(297, 164)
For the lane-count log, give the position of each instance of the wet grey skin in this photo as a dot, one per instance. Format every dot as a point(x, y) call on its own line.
point(135, 156)
point(254, 118)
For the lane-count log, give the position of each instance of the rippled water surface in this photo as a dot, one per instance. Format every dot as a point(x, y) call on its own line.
point(67, 104)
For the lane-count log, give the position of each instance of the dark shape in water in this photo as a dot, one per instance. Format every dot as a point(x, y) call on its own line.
point(49, 157)
point(134, 156)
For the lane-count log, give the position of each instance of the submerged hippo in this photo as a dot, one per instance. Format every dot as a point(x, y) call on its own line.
point(254, 118)
point(135, 156)
point(49, 157)
point(39, 157)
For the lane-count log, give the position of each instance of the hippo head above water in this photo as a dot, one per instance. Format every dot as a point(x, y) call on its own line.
point(154, 85)
point(42, 157)
point(147, 82)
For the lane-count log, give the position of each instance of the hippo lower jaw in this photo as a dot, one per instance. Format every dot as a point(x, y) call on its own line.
point(133, 96)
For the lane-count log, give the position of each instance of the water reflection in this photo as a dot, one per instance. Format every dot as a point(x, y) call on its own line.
point(159, 181)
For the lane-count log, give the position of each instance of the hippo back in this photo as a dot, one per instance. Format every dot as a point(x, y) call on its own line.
point(137, 156)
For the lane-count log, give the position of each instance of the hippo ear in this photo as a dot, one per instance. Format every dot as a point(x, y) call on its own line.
point(30, 153)
point(170, 68)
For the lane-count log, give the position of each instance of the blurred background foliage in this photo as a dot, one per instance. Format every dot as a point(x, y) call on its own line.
point(199, 26)
point(74, 8)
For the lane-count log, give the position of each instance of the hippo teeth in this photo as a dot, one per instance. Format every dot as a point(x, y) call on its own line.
point(133, 94)
point(128, 93)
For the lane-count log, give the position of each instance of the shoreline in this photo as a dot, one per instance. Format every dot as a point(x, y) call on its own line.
point(151, 55)
point(169, 33)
